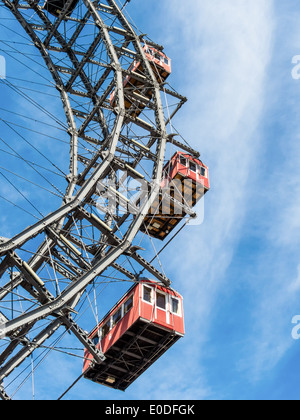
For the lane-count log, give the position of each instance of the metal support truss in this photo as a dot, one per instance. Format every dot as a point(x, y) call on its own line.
point(77, 241)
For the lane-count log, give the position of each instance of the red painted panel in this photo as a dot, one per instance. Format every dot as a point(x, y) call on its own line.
point(175, 167)
point(141, 309)
point(158, 58)
point(165, 318)
point(121, 327)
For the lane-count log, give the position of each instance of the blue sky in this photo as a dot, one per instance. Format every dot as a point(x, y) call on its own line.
point(239, 272)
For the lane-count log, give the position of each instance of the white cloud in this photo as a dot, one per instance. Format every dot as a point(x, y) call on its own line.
point(232, 46)
point(275, 280)
point(225, 48)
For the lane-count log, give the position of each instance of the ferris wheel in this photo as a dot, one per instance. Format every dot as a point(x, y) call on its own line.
point(95, 110)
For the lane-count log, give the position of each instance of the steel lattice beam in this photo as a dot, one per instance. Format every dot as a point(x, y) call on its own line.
point(96, 122)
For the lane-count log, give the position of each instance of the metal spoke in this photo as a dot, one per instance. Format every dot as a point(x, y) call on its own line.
point(88, 52)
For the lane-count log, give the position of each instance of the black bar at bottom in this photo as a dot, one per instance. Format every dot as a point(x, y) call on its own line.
point(137, 409)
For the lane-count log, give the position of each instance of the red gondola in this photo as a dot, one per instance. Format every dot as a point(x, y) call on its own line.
point(186, 181)
point(161, 64)
point(136, 95)
point(139, 329)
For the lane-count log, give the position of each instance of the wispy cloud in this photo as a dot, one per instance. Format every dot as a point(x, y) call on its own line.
point(223, 53)
point(225, 48)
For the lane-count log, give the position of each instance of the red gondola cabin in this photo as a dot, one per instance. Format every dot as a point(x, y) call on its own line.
point(160, 63)
point(186, 180)
point(139, 329)
point(137, 96)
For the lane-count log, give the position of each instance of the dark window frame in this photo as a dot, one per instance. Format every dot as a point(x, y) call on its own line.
point(164, 297)
point(150, 291)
